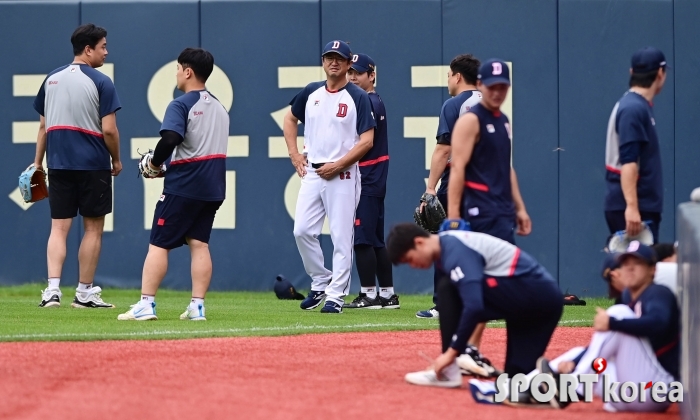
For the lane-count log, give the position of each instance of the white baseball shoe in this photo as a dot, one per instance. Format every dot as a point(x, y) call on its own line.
point(50, 298)
point(194, 314)
point(92, 298)
point(449, 378)
point(142, 311)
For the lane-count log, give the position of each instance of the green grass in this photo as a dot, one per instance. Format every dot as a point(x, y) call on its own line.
point(229, 314)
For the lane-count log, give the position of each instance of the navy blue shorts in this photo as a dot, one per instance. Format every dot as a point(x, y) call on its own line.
point(502, 227)
point(369, 221)
point(177, 218)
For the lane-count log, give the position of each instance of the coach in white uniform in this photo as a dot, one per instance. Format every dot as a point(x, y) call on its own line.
point(338, 131)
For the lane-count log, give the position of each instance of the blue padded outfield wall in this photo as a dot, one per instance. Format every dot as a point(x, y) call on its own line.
point(570, 61)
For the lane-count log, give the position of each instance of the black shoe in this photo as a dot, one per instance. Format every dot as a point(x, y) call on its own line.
point(474, 363)
point(543, 366)
point(364, 302)
point(50, 298)
point(392, 302)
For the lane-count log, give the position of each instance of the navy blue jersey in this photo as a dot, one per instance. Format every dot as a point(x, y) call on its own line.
point(658, 319)
point(374, 165)
point(471, 260)
point(487, 175)
point(632, 138)
point(451, 110)
point(73, 99)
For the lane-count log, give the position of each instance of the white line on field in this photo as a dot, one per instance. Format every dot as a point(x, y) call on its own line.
point(290, 328)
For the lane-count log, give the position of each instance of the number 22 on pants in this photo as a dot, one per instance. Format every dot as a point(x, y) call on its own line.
point(345, 175)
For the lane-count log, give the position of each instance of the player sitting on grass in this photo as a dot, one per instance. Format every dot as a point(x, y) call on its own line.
point(483, 278)
point(638, 338)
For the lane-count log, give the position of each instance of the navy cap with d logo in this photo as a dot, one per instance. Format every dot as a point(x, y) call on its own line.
point(493, 72)
point(647, 60)
point(338, 47)
point(362, 63)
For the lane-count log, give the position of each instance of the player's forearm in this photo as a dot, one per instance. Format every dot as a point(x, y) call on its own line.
point(639, 327)
point(40, 143)
point(515, 187)
point(455, 189)
point(438, 163)
point(112, 142)
point(291, 130)
point(360, 149)
point(467, 324)
point(628, 180)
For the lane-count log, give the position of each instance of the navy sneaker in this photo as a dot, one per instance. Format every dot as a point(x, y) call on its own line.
point(430, 313)
point(313, 299)
point(332, 308)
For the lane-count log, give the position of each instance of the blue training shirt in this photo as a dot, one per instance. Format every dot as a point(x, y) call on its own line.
point(73, 100)
point(632, 138)
point(451, 110)
point(197, 167)
point(471, 260)
point(658, 319)
point(374, 165)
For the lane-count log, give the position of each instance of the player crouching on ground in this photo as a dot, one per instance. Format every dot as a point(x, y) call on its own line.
point(639, 339)
point(483, 278)
point(195, 134)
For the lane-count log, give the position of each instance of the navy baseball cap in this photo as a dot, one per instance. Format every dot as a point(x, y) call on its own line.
point(638, 250)
point(493, 72)
point(338, 47)
point(648, 59)
point(285, 290)
point(362, 63)
point(609, 264)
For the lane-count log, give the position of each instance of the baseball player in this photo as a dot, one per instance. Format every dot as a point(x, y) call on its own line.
point(78, 133)
point(338, 132)
point(633, 173)
point(483, 278)
point(461, 85)
point(371, 257)
point(639, 338)
point(194, 136)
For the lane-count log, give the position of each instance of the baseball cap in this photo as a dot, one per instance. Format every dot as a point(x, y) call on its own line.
point(362, 63)
point(493, 72)
point(285, 290)
point(338, 47)
point(638, 250)
point(609, 264)
point(648, 59)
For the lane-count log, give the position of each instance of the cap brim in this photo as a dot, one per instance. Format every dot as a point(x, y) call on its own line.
point(623, 256)
point(496, 81)
point(358, 68)
point(335, 52)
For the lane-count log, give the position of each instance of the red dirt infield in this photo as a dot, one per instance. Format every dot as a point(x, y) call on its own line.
point(315, 376)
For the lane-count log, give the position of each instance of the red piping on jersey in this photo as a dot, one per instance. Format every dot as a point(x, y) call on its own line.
point(476, 186)
point(374, 161)
point(666, 348)
point(613, 170)
point(514, 262)
point(332, 91)
point(70, 127)
point(197, 159)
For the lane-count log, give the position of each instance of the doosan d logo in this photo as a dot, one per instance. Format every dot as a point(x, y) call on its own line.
point(612, 391)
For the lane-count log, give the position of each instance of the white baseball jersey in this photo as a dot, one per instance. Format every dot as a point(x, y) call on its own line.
point(333, 122)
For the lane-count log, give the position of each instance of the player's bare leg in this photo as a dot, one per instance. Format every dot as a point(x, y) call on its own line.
point(55, 257)
point(475, 339)
point(154, 269)
point(86, 295)
point(201, 267)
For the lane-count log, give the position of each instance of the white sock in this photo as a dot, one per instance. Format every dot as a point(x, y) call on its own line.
point(195, 302)
point(386, 292)
point(371, 292)
point(82, 287)
point(147, 299)
point(54, 282)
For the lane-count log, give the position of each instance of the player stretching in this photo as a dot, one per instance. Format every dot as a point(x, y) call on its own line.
point(371, 257)
point(194, 135)
point(338, 131)
point(639, 338)
point(482, 279)
point(461, 85)
point(78, 132)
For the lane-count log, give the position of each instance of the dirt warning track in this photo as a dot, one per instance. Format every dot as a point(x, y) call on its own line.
point(314, 376)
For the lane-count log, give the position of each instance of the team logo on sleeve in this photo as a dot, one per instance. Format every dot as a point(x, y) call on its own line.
point(342, 110)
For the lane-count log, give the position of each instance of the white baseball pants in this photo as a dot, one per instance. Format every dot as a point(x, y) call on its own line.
point(337, 198)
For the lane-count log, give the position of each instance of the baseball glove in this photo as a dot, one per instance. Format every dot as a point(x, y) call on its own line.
point(32, 185)
point(432, 214)
point(619, 241)
point(147, 170)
